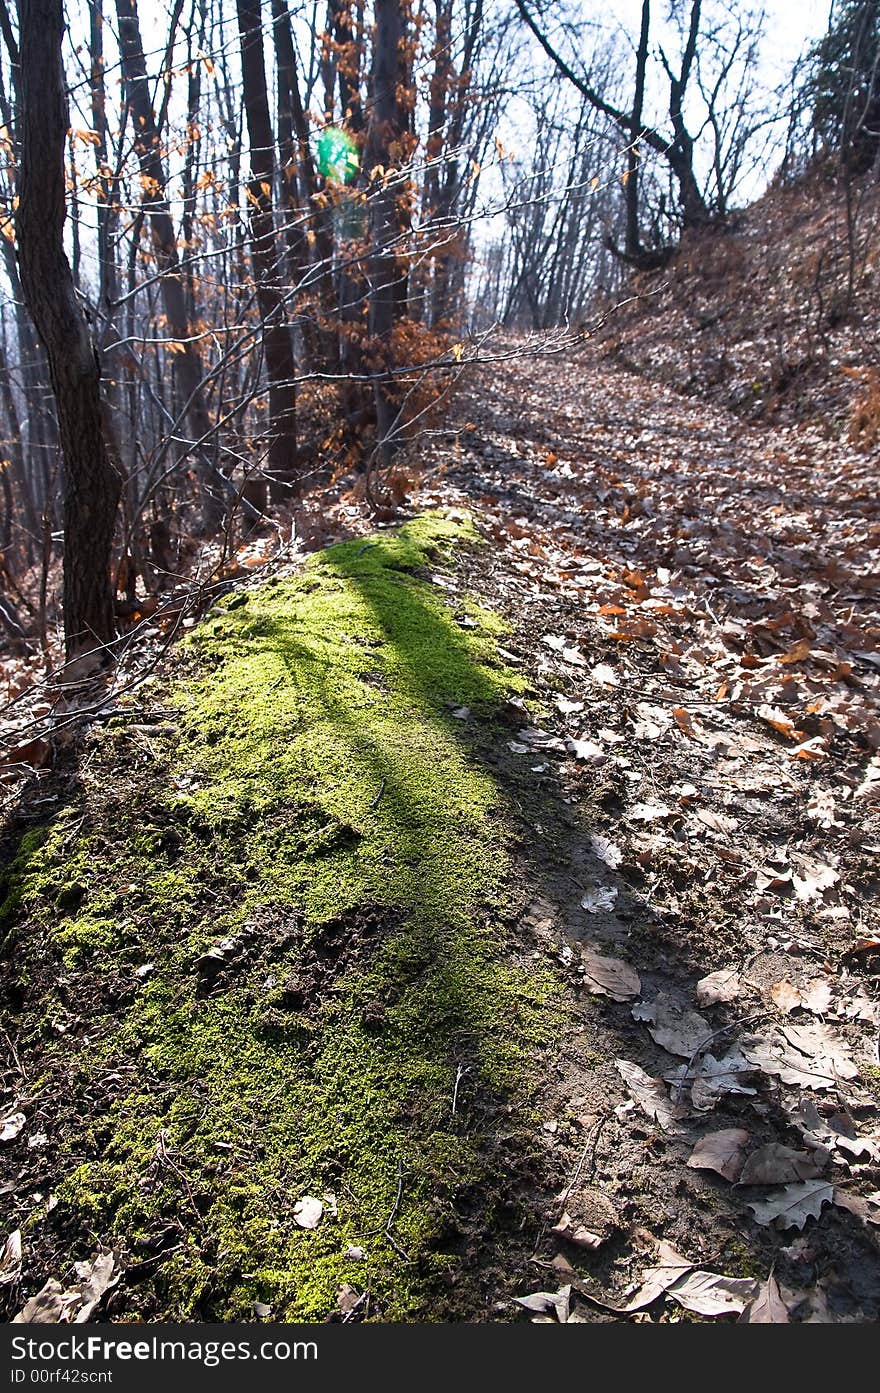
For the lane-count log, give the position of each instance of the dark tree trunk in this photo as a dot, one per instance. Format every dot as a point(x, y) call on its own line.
point(91, 485)
point(385, 126)
point(633, 241)
point(277, 338)
point(148, 148)
point(309, 236)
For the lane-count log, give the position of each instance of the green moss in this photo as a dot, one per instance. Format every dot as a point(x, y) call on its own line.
point(320, 808)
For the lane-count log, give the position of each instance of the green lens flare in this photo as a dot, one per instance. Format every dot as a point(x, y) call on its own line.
point(337, 155)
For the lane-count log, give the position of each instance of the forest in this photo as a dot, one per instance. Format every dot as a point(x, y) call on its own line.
point(439, 731)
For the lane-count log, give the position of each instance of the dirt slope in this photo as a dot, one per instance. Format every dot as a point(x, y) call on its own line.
point(390, 911)
point(775, 314)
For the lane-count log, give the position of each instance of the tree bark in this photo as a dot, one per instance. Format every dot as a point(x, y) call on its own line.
point(385, 125)
point(188, 359)
point(91, 485)
point(277, 338)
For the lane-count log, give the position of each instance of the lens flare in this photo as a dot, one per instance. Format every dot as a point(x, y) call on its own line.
point(338, 157)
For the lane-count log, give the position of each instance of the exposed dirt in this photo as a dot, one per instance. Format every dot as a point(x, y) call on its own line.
point(694, 778)
point(733, 822)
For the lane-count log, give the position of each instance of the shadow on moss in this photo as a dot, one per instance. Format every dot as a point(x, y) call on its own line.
point(369, 1035)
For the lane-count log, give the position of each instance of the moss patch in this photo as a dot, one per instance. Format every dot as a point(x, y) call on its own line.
point(293, 932)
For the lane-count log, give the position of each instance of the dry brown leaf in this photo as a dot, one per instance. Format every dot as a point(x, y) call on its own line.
point(650, 1094)
point(775, 1164)
point(578, 1234)
point(723, 985)
point(11, 1125)
point(719, 823)
point(710, 1294)
point(785, 996)
point(722, 1152)
point(866, 1208)
point(779, 722)
point(674, 1028)
point(659, 1278)
point(609, 976)
point(768, 1307)
point(793, 1206)
point(542, 1301)
point(813, 879)
point(10, 1260)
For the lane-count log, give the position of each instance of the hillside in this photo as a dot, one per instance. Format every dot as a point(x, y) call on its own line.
point(775, 314)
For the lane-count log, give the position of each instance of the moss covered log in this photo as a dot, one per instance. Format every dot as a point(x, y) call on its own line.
point(283, 953)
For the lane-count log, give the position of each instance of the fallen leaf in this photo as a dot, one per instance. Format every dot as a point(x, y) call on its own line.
point(11, 1125)
point(709, 1294)
point(865, 1208)
point(775, 1164)
point(658, 1279)
point(822, 810)
point(578, 1234)
point(308, 1212)
point(95, 1278)
point(814, 879)
point(793, 1206)
point(568, 708)
point(53, 1304)
point(721, 1152)
point(685, 722)
point(604, 675)
point(47, 1307)
point(779, 721)
point(785, 996)
point(10, 1261)
point(816, 996)
point(606, 851)
point(719, 823)
point(649, 812)
point(610, 976)
point(542, 1301)
point(710, 1079)
point(348, 1298)
point(767, 1308)
point(650, 1095)
point(674, 1028)
point(723, 985)
point(586, 750)
point(808, 1056)
point(599, 898)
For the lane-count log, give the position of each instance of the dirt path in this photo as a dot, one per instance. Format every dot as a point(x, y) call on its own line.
point(697, 779)
point(569, 992)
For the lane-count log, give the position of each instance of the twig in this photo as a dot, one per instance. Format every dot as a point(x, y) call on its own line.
point(14, 1054)
point(375, 802)
point(459, 1075)
point(393, 1215)
point(592, 1140)
point(745, 1020)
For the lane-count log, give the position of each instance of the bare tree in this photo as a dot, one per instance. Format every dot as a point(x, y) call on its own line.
point(91, 485)
point(276, 335)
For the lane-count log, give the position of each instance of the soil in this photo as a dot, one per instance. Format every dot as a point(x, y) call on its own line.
point(644, 536)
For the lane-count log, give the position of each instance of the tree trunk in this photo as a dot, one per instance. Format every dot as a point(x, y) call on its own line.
point(385, 125)
point(277, 338)
point(91, 485)
point(633, 240)
point(147, 142)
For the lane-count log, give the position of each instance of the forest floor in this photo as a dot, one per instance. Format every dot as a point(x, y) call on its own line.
point(518, 958)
